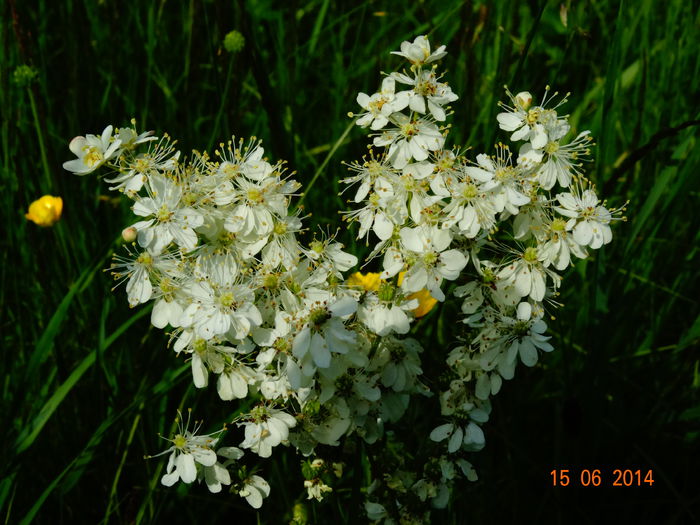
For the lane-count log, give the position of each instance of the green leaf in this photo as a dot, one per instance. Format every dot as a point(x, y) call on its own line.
point(32, 430)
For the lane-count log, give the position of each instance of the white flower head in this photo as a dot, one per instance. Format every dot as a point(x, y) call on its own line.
point(379, 107)
point(410, 139)
point(254, 490)
point(218, 308)
point(144, 273)
point(418, 52)
point(536, 124)
point(503, 179)
point(188, 449)
point(161, 157)
point(589, 220)
point(167, 219)
point(92, 151)
point(425, 248)
point(428, 93)
point(266, 428)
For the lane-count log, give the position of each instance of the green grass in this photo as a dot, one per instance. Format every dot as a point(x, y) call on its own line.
point(87, 384)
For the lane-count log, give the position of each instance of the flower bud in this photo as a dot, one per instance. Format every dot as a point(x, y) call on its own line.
point(45, 211)
point(24, 75)
point(524, 100)
point(234, 41)
point(129, 234)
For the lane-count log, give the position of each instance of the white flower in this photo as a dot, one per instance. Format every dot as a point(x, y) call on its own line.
point(92, 152)
point(206, 355)
point(336, 423)
point(330, 256)
point(589, 221)
point(282, 246)
point(356, 387)
point(217, 475)
point(471, 208)
point(559, 245)
point(526, 124)
point(375, 511)
point(218, 308)
point(467, 469)
point(167, 309)
point(380, 106)
point(426, 248)
point(536, 124)
point(377, 213)
point(398, 362)
point(143, 271)
point(418, 52)
point(188, 450)
point(527, 330)
point(233, 382)
point(321, 330)
point(427, 92)
point(267, 428)
point(411, 139)
point(525, 127)
point(528, 275)
point(170, 220)
point(244, 159)
point(130, 138)
point(503, 338)
point(315, 488)
point(505, 181)
point(366, 173)
point(561, 161)
point(259, 201)
point(386, 316)
point(470, 434)
point(160, 157)
point(138, 272)
point(254, 490)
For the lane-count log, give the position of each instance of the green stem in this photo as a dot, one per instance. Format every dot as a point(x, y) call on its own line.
point(224, 95)
point(42, 148)
point(48, 179)
point(147, 503)
point(324, 163)
point(113, 491)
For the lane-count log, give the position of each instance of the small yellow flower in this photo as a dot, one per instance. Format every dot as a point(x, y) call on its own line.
point(371, 281)
point(426, 302)
point(45, 211)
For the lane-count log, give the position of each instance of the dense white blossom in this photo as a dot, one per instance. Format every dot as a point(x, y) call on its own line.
point(307, 355)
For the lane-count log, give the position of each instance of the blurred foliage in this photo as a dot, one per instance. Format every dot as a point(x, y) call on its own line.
point(87, 384)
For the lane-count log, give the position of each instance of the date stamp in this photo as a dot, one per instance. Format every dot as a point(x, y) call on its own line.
point(602, 477)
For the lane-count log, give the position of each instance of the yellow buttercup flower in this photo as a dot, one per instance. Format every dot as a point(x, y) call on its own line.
point(45, 211)
point(425, 300)
point(368, 281)
point(371, 281)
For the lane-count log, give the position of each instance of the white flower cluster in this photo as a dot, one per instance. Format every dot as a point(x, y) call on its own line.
point(217, 248)
point(497, 225)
